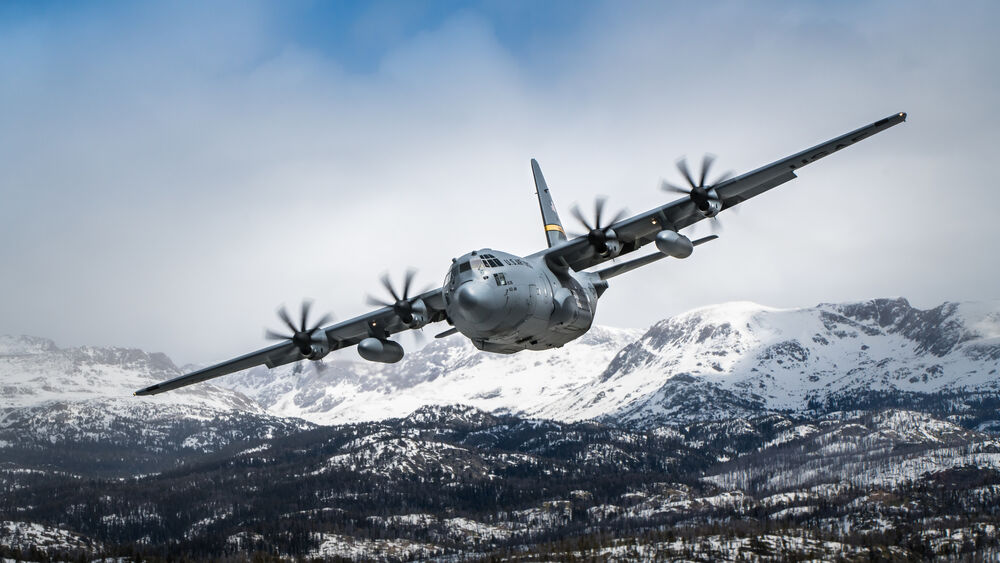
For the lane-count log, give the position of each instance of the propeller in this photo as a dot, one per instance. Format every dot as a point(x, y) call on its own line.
point(402, 303)
point(302, 335)
point(598, 235)
point(703, 196)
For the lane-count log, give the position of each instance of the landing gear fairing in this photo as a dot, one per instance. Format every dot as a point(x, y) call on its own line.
point(506, 303)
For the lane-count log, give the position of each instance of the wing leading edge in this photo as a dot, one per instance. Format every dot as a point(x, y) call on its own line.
point(639, 230)
point(380, 323)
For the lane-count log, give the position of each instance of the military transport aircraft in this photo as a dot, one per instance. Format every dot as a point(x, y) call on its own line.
point(506, 303)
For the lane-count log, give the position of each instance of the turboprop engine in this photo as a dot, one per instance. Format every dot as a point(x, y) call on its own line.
point(317, 350)
point(411, 310)
point(309, 340)
point(603, 239)
point(703, 195)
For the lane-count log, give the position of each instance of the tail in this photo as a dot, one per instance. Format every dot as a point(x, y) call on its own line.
point(554, 233)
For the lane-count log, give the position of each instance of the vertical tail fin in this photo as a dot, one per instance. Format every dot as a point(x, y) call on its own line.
point(554, 233)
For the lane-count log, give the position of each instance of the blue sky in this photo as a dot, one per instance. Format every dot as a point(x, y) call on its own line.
point(172, 172)
point(359, 34)
point(355, 34)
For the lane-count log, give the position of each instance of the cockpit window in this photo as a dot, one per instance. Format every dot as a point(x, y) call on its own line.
point(490, 261)
point(464, 267)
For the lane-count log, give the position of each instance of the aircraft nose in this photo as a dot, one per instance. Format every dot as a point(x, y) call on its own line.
point(473, 301)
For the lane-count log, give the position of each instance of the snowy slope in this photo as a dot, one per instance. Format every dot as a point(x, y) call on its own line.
point(47, 539)
point(80, 400)
point(34, 371)
point(745, 358)
point(882, 449)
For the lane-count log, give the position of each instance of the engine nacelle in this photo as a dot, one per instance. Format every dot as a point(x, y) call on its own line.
point(614, 248)
point(711, 206)
point(377, 350)
point(419, 311)
point(318, 350)
point(674, 244)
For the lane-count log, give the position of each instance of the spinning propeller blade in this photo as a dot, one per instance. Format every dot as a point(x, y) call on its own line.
point(302, 336)
point(597, 234)
point(402, 304)
point(701, 194)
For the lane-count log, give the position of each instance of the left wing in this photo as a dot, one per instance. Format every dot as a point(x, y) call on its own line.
point(641, 229)
point(380, 323)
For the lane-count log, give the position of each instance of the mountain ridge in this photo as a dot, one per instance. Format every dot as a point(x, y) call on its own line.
point(710, 362)
point(79, 401)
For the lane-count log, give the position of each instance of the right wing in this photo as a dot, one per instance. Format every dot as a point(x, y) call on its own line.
point(743, 187)
point(639, 230)
point(380, 322)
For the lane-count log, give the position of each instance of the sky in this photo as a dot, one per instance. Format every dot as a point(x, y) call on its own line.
point(171, 173)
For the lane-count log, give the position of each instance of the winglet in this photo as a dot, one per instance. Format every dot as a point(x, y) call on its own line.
point(554, 233)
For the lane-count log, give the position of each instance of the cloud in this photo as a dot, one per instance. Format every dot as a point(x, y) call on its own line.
point(172, 173)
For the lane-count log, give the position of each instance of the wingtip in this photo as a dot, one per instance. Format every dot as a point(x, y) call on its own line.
point(536, 171)
point(902, 115)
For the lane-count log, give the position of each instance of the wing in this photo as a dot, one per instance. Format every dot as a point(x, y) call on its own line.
point(381, 323)
point(639, 230)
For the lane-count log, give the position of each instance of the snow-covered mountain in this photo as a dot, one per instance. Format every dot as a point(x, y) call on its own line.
point(712, 362)
point(80, 400)
point(34, 371)
point(745, 358)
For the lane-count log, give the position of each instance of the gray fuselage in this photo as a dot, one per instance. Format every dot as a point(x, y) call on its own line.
point(506, 303)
